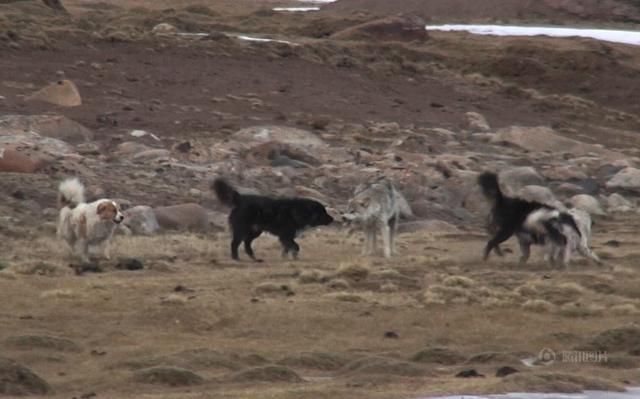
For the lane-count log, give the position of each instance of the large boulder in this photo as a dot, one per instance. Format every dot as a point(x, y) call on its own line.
point(141, 220)
point(393, 28)
point(33, 143)
point(626, 179)
point(545, 139)
point(54, 126)
point(476, 122)
point(64, 93)
point(189, 216)
point(513, 179)
point(12, 160)
point(537, 193)
point(282, 134)
point(587, 203)
point(616, 203)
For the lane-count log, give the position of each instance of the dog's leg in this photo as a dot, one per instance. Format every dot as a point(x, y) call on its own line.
point(247, 245)
point(394, 233)
point(374, 240)
point(369, 234)
point(501, 236)
point(498, 251)
point(106, 249)
point(584, 250)
point(235, 243)
point(289, 245)
point(82, 250)
point(386, 240)
point(525, 250)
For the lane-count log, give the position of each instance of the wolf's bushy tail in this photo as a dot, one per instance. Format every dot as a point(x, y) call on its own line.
point(70, 193)
point(225, 192)
point(490, 186)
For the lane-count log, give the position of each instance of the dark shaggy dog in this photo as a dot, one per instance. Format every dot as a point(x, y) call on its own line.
point(532, 222)
point(282, 217)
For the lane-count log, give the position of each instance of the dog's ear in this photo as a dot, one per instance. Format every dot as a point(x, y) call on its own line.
point(106, 210)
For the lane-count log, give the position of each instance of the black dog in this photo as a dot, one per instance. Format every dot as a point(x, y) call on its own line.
point(282, 217)
point(532, 222)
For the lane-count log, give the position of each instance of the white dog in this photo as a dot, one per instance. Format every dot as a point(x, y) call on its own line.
point(83, 224)
point(377, 207)
point(575, 242)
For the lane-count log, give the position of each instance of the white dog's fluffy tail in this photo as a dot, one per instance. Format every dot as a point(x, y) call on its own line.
point(70, 193)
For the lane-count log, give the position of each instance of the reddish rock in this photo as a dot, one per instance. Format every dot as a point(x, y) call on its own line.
point(15, 161)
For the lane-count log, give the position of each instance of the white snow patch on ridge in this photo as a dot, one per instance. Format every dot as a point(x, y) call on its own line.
point(609, 35)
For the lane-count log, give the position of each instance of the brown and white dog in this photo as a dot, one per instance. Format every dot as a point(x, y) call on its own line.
point(83, 225)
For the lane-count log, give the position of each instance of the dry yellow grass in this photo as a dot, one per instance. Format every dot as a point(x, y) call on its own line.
point(192, 297)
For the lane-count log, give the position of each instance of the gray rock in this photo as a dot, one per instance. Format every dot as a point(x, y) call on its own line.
point(476, 122)
point(587, 203)
point(141, 220)
point(616, 203)
point(537, 193)
point(189, 216)
point(627, 179)
point(513, 179)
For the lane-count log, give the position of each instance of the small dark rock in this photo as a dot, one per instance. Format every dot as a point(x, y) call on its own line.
point(612, 243)
point(182, 288)
point(469, 373)
point(505, 371)
point(82, 268)
point(18, 194)
point(436, 105)
point(184, 147)
point(130, 264)
point(391, 334)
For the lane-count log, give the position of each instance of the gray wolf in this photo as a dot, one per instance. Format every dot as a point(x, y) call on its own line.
point(82, 225)
point(575, 242)
point(532, 222)
point(283, 217)
point(377, 207)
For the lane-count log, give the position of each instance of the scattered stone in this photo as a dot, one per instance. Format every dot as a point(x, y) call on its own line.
point(17, 380)
point(129, 264)
point(505, 371)
point(391, 334)
point(469, 373)
point(164, 29)
point(63, 93)
point(476, 123)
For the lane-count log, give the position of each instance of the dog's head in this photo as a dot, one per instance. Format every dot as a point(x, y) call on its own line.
point(109, 210)
point(314, 214)
point(356, 209)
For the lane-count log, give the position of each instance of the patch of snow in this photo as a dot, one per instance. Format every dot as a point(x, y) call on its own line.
point(317, 1)
point(192, 34)
point(263, 40)
point(631, 393)
point(609, 35)
point(296, 9)
point(142, 133)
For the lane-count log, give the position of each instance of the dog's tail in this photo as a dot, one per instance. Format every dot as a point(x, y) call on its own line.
point(225, 192)
point(403, 205)
point(70, 193)
point(488, 182)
